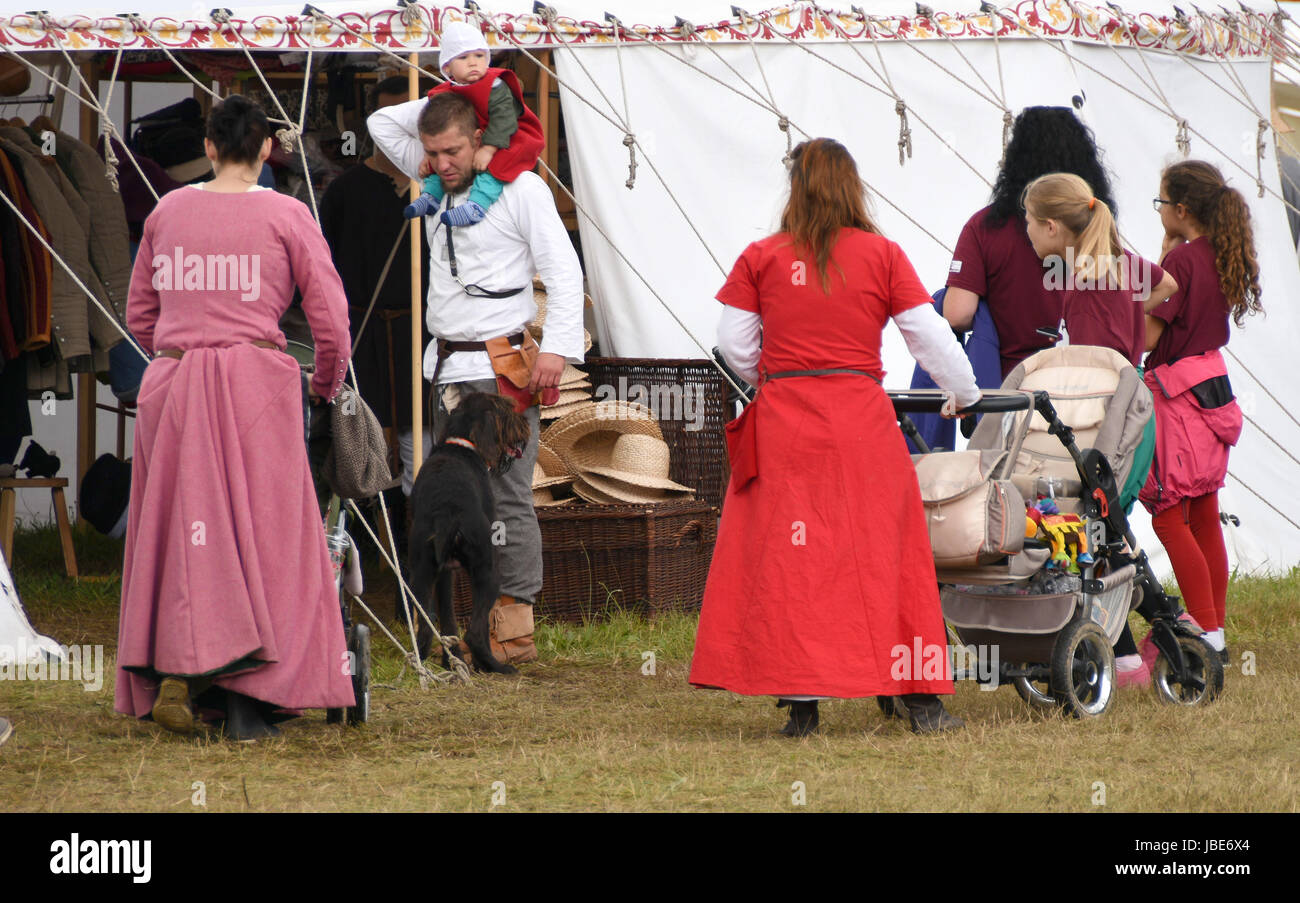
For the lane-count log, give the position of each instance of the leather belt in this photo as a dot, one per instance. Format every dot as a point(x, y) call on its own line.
point(785, 374)
point(177, 354)
point(447, 348)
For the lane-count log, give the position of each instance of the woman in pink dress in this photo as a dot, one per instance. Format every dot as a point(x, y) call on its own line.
point(228, 598)
point(822, 582)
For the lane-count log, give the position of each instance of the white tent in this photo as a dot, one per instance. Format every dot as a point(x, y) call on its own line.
point(705, 109)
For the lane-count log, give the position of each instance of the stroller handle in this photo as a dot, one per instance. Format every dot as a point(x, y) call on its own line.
point(992, 401)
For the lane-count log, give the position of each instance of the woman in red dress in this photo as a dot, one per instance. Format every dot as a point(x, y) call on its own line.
point(822, 582)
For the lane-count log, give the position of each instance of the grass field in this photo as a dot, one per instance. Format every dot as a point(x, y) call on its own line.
point(585, 729)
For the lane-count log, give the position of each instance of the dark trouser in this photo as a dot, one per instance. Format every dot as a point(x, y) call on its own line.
point(520, 557)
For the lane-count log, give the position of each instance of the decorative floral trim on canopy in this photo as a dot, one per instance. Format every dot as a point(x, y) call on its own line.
point(1242, 35)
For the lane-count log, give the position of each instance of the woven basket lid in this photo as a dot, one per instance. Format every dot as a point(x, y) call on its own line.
point(542, 481)
point(638, 466)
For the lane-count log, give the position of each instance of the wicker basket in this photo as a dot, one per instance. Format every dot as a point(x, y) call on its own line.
point(645, 558)
point(698, 456)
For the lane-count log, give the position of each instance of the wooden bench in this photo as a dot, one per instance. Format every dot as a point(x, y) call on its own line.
point(8, 511)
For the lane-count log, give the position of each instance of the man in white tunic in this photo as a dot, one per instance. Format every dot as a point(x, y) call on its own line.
point(480, 288)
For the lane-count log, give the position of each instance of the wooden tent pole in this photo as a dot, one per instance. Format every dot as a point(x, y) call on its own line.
point(417, 357)
point(87, 386)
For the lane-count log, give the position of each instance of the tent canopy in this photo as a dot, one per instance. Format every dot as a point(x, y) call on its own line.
point(713, 113)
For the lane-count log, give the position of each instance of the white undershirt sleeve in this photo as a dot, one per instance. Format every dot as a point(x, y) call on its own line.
point(740, 334)
point(931, 342)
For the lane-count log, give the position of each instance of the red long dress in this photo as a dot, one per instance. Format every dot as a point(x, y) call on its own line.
point(822, 571)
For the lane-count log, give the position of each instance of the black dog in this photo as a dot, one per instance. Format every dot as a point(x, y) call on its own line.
point(453, 515)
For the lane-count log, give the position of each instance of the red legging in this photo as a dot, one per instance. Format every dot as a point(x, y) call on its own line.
point(1193, 538)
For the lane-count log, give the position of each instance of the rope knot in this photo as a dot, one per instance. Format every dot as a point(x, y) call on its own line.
point(783, 123)
point(904, 131)
point(685, 29)
point(1261, 147)
point(288, 136)
point(1182, 140)
point(110, 158)
point(220, 16)
point(629, 141)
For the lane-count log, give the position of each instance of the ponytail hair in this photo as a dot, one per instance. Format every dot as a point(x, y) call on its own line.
point(826, 195)
point(238, 128)
point(1069, 200)
point(1222, 211)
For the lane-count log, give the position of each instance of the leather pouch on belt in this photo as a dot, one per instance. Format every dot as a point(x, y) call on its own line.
point(514, 368)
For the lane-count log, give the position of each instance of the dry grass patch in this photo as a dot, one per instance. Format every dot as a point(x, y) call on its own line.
point(585, 730)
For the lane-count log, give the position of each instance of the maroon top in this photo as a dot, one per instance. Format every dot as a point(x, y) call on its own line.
point(1001, 265)
point(1113, 317)
point(1196, 316)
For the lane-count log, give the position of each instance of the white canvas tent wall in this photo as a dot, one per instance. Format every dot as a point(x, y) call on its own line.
point(704, 110)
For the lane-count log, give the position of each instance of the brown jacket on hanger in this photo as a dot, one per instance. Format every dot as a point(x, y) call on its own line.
point(33, 263)
point(110, 240)
point(68, 238)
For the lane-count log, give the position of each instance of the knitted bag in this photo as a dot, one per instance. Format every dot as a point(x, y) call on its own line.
point(356, 466)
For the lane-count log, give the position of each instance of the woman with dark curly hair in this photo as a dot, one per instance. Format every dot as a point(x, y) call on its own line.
point(994, 258)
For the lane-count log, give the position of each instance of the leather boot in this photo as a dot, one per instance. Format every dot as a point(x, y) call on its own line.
point(927, 714)
point(172, 709)
point(803, 717)
point(244, 723)
point(510, 631)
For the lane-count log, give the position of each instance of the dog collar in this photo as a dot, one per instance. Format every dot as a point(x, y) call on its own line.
point(464, 443)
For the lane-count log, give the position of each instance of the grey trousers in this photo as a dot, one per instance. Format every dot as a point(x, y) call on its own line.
point(520, 556)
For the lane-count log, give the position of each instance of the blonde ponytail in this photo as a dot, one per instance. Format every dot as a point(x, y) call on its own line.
point(1068, 199)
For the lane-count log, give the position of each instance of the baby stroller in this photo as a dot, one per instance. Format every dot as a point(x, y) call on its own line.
point(343, 556)
point(1063, 429)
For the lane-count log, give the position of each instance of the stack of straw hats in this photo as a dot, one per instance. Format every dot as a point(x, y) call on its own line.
point(549, 472)
point(575, 393)
point(539, 322)
point(615, 454)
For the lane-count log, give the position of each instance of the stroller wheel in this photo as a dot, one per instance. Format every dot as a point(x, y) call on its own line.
point(1037, 693)
point(1204, 674)
point(359, 646)
point(1083, 670)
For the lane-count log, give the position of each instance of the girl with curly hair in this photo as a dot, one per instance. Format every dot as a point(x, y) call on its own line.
point(1209, 249)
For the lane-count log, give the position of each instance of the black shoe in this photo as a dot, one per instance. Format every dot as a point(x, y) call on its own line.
point(244, 721)
point(892, 706)
point(1224, 657)
point(927, 714)
point(803, 717)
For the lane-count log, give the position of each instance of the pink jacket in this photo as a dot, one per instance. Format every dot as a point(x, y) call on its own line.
point(1192, 442)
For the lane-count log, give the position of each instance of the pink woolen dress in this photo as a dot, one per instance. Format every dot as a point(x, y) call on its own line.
point(226, 571)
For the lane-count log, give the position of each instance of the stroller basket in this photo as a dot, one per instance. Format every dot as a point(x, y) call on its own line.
point(1024, 626)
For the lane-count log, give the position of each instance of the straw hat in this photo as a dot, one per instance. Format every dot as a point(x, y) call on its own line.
point(541, 480)
point(577, 436)
point(585, 491)
point(537, 326)
point(637, 470)
point(572, 377)
point(569, 397)
point(551, 463)
point(563, 410)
